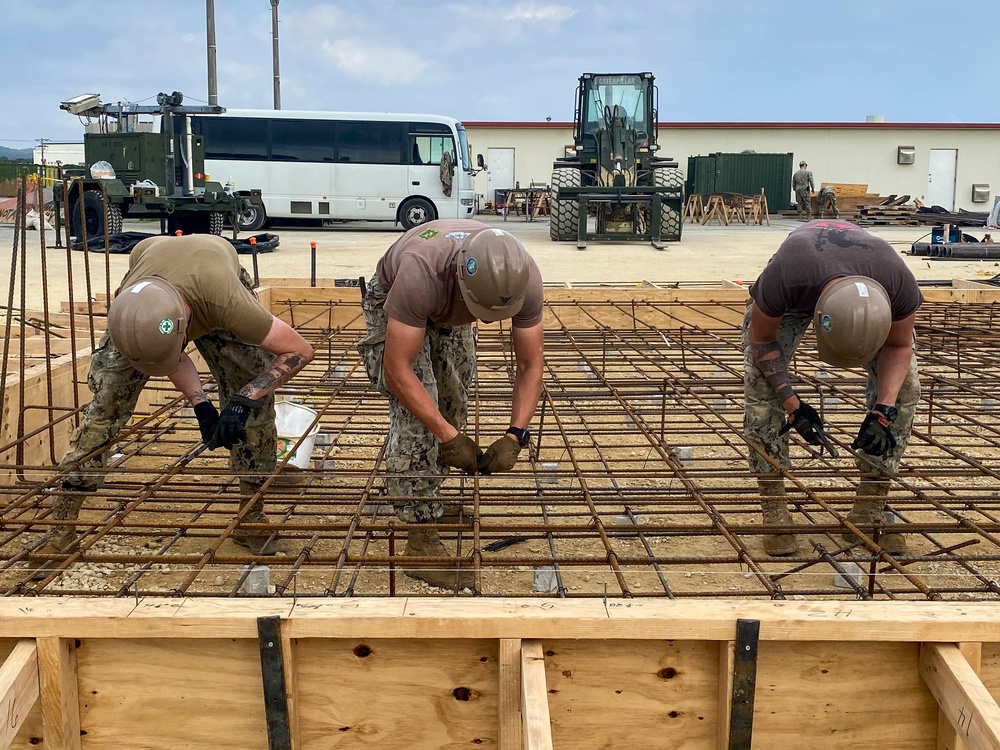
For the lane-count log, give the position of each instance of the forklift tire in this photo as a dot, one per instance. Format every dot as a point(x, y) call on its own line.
point(564, 215)
point(253, 218)
point(670, 214)
point(97, 224)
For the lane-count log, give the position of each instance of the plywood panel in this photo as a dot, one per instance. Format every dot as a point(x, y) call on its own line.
point(620, 694)
point(30, 734)
point(989, 669)
point(845, 696)
point(427, 695)
point(148, 695)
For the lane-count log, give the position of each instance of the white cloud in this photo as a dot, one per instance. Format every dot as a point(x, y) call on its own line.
point(532, 12)
point(378, 62)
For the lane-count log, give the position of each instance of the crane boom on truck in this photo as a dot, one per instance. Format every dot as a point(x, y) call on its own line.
point(134, 172)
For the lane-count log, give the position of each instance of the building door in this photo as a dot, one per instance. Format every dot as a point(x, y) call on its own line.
point(500, 163)
point(941, 180)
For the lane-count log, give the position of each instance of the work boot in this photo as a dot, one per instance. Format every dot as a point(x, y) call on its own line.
point(256, 540)
point(59, 541)
point(869, 506)
point(776, 514)
point(427, 543)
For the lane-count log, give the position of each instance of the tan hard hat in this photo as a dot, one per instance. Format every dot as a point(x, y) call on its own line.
point(493, 274)
point(852, 321)
point(147, 322)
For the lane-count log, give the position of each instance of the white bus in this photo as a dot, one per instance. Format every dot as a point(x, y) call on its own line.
point(338, 166)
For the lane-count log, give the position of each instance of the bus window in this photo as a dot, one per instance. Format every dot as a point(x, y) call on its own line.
point(371, 143)
point(428, 149)
point(234, 137)
point(302, 140)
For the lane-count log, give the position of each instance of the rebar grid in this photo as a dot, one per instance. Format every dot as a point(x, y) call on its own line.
point(636, 482)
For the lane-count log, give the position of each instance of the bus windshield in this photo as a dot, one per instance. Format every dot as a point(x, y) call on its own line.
point(463, 147)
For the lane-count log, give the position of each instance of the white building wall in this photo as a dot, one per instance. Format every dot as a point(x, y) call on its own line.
point(848, 153)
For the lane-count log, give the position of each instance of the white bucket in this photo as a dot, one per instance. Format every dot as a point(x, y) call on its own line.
point(291, 422)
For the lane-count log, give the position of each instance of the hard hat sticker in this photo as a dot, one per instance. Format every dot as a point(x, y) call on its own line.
point(456, 236)
point(428, 234)
point(862, 289)
point(140, 286)
point(826, 323)
point(471, 266)
point(166, 326)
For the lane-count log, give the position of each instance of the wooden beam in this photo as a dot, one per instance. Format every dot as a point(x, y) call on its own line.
point(509, 694)
point(960, 693)
point(290, 658)
point(948, 738)
point(18, 689)
point(534, 698)
point(727, 661)
point(496, 618)
point(59, 690)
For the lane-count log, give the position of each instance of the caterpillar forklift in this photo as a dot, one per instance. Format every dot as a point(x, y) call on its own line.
point(614, 173)
point(131, 171)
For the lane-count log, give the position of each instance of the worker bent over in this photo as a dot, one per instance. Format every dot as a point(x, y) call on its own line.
point(429, 287)
point(826, 200)
point(180, 290)
point(862, 301)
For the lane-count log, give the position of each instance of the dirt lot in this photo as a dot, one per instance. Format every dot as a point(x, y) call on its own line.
point(705, 254)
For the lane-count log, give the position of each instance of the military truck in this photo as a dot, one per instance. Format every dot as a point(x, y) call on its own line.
point(614, 172)
point(133, 172)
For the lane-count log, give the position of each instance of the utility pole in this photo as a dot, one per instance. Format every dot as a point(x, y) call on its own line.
point(41, 143)
point(274, 44)
point(213, 78)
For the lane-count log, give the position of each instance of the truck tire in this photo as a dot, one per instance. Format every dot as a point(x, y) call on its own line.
point(670, 214)
point(94, 212)
point(564, 215)
point(216, 222)
point(253, 218)
point(416, 211)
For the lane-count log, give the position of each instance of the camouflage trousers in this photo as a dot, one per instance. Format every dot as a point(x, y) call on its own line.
point(445, 365)
point(827, 201)
point(764, 416)
point(116, 386)
point(803, 201)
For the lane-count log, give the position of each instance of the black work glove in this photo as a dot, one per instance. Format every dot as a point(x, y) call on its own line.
point(500, 456)
point(807, 423)
point(208, 420)
point(875, 438)
point(461, 452)
point(232, 428)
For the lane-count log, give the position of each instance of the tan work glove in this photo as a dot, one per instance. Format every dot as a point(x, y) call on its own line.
point(461, 452)
point(500, 456)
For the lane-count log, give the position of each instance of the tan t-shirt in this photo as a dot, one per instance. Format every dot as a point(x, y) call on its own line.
point(205, 271)
point(419, 273)
point(824, 250)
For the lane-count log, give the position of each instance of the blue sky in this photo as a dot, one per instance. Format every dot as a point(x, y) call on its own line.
point(714, 60)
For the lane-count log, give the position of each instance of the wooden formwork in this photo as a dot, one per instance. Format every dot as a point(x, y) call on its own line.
point(509, 673)
point(450, 673)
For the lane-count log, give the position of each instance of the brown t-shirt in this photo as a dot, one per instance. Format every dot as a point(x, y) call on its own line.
point(419, 273)
point(205, 271)
point(821, 251)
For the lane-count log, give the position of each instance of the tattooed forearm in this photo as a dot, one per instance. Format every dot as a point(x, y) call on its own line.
point(198, 397)
point(284, 367)
point(772, 365)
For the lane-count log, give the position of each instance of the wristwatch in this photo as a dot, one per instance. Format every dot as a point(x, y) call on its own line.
point(888, 412)
point(523, 436)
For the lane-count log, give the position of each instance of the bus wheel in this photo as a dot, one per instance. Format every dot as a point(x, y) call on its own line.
point(253, 218)
point(416, 211)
